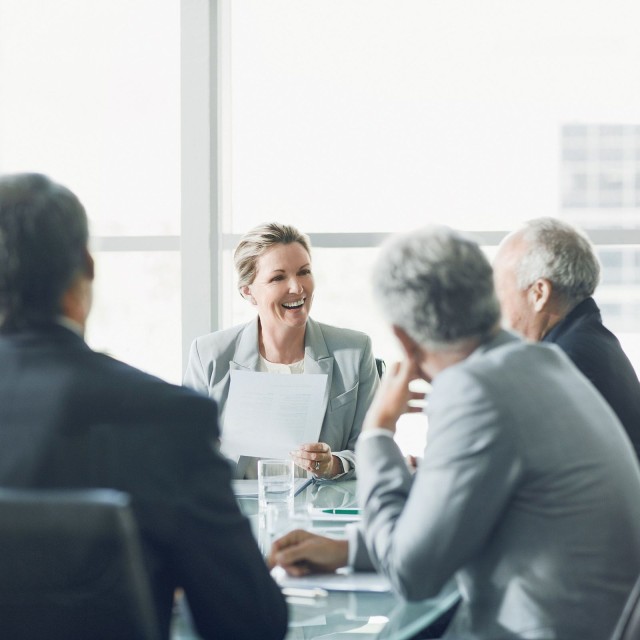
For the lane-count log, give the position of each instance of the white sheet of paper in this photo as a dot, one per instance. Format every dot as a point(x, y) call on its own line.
point(343, 580)
point(268, 415)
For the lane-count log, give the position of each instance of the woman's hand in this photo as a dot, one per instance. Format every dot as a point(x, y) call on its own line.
point(300, 553)
point(317, 458)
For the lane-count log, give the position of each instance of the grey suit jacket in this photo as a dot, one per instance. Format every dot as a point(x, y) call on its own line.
point(344, 355)
point(529, 492)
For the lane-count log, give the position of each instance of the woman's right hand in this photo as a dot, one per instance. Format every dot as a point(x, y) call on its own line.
point(317, 458)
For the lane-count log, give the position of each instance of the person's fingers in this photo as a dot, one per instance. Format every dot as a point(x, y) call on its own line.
point(402, 374)
point(289, 539)
point(315, 457)
point(298, 544)
point(405, 367)
point(297, 570)
point(313, 447)
point(297, 458)
point(313, 554)
point(293, 537)
point(294, 554)
point(394, 368)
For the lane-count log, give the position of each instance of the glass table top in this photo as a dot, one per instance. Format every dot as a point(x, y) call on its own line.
point(356, 614)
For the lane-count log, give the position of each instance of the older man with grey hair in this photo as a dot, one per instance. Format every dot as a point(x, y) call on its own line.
point(545, 276)
point(528, 492)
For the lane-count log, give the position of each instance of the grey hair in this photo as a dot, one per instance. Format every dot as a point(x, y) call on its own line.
point(437, 285)
point(560, 253)
point(257, 241)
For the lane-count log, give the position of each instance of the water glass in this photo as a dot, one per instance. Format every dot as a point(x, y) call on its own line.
point(275, 482)
point(279, 519)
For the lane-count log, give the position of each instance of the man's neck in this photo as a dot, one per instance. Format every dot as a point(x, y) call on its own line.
point(554, 316)
point(437, 361)
point(71, 324)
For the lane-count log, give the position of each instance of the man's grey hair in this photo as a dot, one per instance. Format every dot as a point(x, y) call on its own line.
point(437, 285)
point(560, 253)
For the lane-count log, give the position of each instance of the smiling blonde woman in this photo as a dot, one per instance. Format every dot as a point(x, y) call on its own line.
point(273, 263)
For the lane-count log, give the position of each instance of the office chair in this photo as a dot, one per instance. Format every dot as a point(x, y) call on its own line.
point(71, 567)
point(628, 627)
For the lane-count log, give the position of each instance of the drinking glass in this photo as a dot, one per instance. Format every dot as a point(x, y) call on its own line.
point(275, 482)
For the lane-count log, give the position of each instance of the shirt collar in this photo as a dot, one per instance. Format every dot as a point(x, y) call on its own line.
point(70, 324)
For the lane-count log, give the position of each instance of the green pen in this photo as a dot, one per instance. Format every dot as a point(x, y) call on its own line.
point(342, 512)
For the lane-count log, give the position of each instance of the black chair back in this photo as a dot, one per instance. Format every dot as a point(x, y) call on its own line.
point(71, 567)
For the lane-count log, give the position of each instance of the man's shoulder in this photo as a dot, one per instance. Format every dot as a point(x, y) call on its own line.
point(581, 330)
point(511, 363)
point(134, 391)
point(587, 334)
point(592, 347)
point(508, 350)
point(511, 384)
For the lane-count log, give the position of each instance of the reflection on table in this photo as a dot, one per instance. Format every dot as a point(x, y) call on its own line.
point(360, 615)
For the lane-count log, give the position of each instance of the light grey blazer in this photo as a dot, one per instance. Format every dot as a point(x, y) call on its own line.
point(343, 354)
point(529, 492)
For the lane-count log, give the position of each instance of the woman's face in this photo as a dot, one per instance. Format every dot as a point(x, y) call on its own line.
point(283, 287)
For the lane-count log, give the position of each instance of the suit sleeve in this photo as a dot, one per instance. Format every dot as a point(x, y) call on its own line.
point(195, 375)
point(226, 581)
point(420, 530)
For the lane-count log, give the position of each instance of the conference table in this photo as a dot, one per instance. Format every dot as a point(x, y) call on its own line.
point(357, 606)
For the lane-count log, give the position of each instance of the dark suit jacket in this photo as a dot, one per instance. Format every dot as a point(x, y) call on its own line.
point(598, 354)
point(73, 418)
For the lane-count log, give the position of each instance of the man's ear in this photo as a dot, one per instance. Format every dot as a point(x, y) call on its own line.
point(245, 291)
point(410, 347)
point(89, 267)
point(540, 292)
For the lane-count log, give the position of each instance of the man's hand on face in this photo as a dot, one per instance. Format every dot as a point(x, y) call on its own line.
point(392, 399)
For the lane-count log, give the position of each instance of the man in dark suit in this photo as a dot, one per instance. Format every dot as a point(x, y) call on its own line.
point(545, 275)
point(73, 418)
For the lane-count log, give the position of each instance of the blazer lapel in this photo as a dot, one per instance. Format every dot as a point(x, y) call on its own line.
point(246, 355)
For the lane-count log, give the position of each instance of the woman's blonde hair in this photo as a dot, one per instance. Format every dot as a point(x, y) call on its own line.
point(257, 241)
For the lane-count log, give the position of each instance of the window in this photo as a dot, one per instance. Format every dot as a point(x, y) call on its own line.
point(354, 120)
point(599, 167)
point(182, 123)
point(91, 97)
